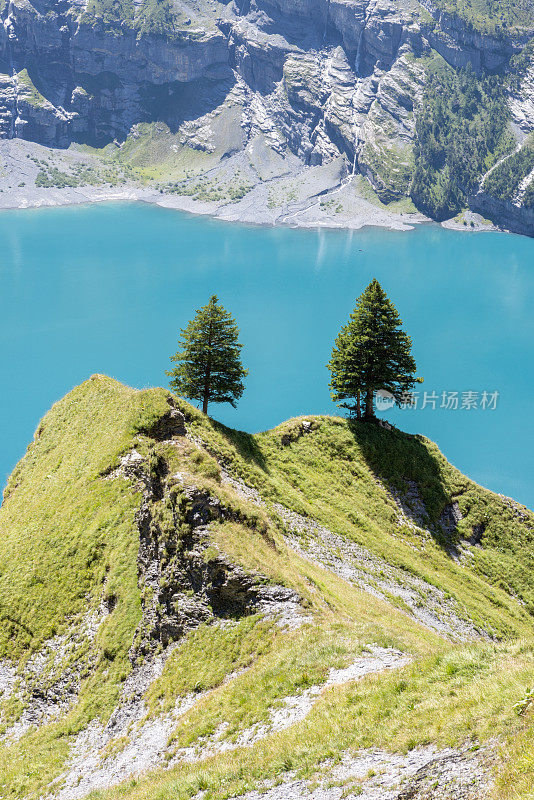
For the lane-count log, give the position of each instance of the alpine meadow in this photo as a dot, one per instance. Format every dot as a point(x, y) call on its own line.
point(266, 292)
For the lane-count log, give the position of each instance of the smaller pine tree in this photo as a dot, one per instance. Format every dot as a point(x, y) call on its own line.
point(371, 352)
point(208, 365)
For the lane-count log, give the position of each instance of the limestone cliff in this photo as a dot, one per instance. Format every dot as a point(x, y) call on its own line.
point(317, 79)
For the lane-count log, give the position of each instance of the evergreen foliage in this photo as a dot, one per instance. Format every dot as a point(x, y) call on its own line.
point(209, 365)
point(156, 17)
point(371, 352)
point(519, 66)
point(109, 12)
point(461, 131)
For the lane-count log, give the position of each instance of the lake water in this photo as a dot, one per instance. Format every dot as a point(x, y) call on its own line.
point(105, 288)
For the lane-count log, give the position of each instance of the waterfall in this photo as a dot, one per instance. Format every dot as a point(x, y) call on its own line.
point(326, 17)
point(359, 49)
point(11, 36)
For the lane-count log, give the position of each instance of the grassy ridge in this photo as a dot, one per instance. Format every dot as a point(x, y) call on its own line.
point(68, 540)
point(65, 531)
point(331, 475)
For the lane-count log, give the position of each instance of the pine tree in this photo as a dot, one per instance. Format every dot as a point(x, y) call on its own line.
point(209, 365)
point(371, 352)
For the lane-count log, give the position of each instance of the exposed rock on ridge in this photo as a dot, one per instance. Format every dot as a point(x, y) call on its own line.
point(183, 582)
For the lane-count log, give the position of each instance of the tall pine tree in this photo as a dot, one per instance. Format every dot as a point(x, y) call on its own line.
point(208, 365)
point(371, 352)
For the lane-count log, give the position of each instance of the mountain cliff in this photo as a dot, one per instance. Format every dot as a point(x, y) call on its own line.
point(323, 610)
point(287, 85)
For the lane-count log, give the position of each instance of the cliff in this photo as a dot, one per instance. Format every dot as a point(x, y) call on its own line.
point(315, 79)
point(323, 610)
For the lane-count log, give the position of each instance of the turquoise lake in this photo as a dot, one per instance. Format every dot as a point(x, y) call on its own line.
point(105, 288)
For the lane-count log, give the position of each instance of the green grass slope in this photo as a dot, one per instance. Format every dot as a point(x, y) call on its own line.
point(69, 546)
point(338, 474)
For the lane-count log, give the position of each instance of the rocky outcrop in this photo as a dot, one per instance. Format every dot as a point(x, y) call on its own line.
point(505, 213)
point(185, 580)
point(100, 78)
point(388, 128)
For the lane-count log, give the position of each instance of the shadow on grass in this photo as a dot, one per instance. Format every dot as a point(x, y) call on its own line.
point(404, 463)
point(17, 623)
point(245, 444)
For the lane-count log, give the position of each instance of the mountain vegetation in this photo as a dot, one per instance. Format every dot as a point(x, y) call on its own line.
point(519, 65)
point(110, 12)
point(150, 17)
point(156, 16)
point(137, 540)
point(462, 130)
point(208, 366)
point(503, 182)
point(494, 17)
point(528, 197)
point(371, 353)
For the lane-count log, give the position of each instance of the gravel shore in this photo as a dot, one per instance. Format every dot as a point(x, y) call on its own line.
point(287, 194)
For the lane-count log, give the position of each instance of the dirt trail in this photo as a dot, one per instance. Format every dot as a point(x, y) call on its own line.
point(93, 765)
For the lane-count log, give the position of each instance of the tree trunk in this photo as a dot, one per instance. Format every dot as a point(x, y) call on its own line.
point(358, 406)
point(207, 375)
point(369, 404)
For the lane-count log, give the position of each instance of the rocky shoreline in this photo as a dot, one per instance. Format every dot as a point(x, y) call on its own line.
point(326, 198)
point(299, 112)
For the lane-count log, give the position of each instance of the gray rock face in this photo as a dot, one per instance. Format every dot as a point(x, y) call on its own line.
point(387, 129)
point(185, 579)
point(91, 79)
point(512, 215)
point(315, 79)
